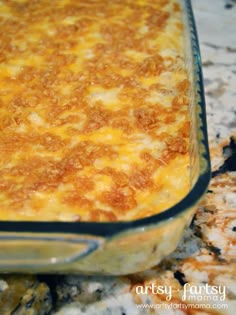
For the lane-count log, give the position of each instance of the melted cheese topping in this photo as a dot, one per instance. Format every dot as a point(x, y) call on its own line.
point(94, 121)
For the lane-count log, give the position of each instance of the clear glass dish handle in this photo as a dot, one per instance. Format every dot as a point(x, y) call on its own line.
point(36, 251)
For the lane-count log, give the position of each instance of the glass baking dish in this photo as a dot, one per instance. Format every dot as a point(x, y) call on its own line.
point(117, 247)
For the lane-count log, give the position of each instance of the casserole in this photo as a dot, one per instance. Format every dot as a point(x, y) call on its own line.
point(89, 246)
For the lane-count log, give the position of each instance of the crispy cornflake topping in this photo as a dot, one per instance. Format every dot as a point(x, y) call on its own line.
point(94, 119)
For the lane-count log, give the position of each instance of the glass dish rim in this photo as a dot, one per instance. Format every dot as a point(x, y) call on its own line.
point(108, 229)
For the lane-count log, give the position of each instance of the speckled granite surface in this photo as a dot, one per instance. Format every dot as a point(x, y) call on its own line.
point(207, 253)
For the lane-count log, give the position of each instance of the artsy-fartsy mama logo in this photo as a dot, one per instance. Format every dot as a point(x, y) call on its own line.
point(189, 292)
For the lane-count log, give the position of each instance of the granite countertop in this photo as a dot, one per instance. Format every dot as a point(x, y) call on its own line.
point(206, 256)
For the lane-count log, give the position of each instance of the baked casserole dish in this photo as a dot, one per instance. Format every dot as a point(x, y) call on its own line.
point(103, 139)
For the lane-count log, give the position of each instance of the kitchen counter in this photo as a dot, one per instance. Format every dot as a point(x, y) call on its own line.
point(206, 256)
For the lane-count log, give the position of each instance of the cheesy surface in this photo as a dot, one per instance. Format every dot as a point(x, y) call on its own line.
point(94, 121)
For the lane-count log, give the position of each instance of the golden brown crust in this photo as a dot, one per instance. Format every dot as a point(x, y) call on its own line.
point(94, 109)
